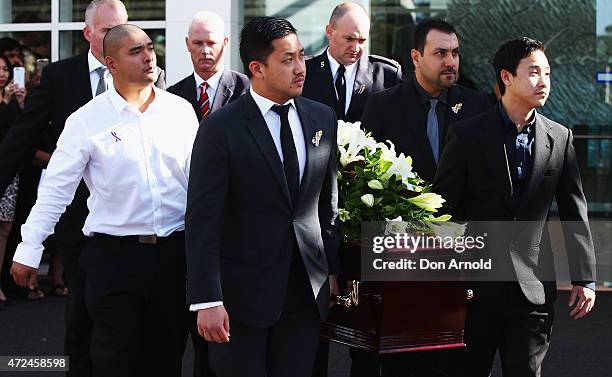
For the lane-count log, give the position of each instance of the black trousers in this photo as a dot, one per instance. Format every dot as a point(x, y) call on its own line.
point(287, 348)
point(520, 330)
point(135, 294)
point(78, 322)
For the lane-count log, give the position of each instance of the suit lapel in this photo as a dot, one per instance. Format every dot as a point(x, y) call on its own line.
point(260, 132)
point(224, 91)
point(308, 129)
point(323, 80)
point(362, 85)
point(83, 89)
point(190, 94)
point(542, 152)
point(453, 111)
point(493, 148)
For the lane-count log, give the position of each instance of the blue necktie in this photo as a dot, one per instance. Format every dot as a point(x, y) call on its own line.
point(433, 134)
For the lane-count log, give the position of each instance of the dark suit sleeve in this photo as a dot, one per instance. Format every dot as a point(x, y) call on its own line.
point(450, 175)
point(573, 214)
point(371, 119)
point(206, 196)
point(328, 206)
point(18, 145)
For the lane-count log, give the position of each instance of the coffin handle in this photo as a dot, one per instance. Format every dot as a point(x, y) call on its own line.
point(352, 299)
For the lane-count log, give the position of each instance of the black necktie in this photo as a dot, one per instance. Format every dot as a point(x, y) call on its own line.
point(290, 163)
point(340, 85)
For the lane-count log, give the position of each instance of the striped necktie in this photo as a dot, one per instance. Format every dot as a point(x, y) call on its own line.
point(204, 100)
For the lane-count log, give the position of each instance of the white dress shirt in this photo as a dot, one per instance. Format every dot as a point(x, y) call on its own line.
point(213, 84)
point(350, 74)
point(274, 126)
point(94, 78)
point(136, 166)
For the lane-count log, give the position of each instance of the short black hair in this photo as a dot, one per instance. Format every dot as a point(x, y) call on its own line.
point(9, 44)
point(256, 38)
point(424, 27)
point(509, 55)
point(9, 66)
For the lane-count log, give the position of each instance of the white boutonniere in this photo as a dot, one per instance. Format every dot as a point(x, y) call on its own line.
point(316, 139)
point(457, 107)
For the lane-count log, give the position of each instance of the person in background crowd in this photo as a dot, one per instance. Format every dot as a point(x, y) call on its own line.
point(12, 49)
point(12, 99)
point(344, 76)
point(210, 86)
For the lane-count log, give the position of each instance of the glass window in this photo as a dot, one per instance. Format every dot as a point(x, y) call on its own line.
point(20, 11)
point(138, 10)
point(72, 42)
point(35, 44)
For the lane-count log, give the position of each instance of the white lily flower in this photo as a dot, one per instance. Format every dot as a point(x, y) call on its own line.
point(368, 200)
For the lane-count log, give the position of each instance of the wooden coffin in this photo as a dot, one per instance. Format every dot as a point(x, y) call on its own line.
point(390, 317)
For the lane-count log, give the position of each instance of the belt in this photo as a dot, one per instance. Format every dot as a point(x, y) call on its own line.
point(147, 239)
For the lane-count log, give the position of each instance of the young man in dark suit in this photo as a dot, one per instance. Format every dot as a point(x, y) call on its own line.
point(261, 222)
point(65, 86)
point(404, 114)
point(210, 86)
point(343, 76)
point(507, 165)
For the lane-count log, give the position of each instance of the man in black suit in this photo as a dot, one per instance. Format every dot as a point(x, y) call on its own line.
point(210, 86)
point(508, 164)
point(261, 222)
point(404, 115)
point(45, 113)
point(343, 76)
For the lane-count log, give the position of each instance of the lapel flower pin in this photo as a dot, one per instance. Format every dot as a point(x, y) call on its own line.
point(115, 136)
point(316, 139)
point(457, 107)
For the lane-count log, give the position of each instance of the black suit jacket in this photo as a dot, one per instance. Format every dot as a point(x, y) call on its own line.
point(64, 87)
point(397, 114)
point(231, 86)
point(473, 176)
point(241, 226)
point(374, 73)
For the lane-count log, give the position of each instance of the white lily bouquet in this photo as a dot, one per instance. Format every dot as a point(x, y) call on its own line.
point(376, 184)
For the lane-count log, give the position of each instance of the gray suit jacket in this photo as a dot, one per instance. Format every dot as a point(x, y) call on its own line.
point(473, 177)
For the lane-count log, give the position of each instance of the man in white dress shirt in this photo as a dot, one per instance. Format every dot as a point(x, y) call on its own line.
point(132, 146)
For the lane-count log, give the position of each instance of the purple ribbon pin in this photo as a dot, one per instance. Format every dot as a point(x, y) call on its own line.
point(114, 134)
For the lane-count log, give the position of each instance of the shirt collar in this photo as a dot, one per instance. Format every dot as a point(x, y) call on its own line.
point(426, 97)
point(212, 82)
point(120, 104)
point(264, 104)
point(508, 122)
point(334, 65)
point(93, 62)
